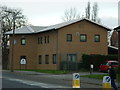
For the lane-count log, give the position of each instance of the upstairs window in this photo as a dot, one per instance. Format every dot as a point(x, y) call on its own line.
point(40, 40)
point(23, 41)
point(83, 38)
point(69, 37)
point(45, 39)
point(48, 39)
point(97, 38)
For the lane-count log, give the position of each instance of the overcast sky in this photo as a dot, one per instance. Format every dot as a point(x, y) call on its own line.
point(49, 12)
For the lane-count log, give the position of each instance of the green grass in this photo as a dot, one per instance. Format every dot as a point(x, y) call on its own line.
point(48, 71)
point(96, 76)
point(54, 71)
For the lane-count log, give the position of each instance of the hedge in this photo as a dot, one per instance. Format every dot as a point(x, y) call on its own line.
point(96, 60)
point(87, 60)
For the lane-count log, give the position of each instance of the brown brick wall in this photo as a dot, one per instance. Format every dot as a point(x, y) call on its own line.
point(89, 47)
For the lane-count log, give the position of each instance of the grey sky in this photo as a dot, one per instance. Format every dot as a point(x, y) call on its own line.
point(49, 12)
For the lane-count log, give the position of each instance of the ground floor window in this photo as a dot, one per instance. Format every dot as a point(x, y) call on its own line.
point(40, 59)
point(22, 59)
point(54, 59)
point(46, 59)
point(72, 57)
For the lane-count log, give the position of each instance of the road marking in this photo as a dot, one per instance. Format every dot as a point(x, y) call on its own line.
point(39, 84)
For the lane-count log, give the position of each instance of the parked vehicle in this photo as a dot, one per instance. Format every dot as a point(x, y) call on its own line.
point(105, 66)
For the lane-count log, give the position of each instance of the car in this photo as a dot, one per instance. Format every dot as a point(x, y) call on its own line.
point(105, 66)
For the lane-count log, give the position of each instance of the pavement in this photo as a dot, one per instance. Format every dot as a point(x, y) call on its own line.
point(68, 77)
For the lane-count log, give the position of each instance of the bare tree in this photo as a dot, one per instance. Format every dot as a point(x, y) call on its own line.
point(95, 13)
point(88, 10)
point(70, 14)
point(7, 24)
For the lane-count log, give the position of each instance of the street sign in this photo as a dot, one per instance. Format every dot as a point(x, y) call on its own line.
point(76, 80)
point(106, 82)
point(23, 61)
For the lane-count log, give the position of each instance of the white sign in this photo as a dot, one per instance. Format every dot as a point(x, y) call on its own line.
point(76, 80)
point(91, 66)
point(23, 61)
point(76, 76)
point(106, 82)
point(106, 79)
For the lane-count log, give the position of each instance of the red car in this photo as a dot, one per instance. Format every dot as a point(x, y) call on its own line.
point(105, 67)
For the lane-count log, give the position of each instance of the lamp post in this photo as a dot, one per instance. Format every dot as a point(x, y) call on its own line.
point(12, 56)
point(12, 45)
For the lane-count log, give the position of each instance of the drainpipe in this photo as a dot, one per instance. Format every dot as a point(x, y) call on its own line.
point(57, 53)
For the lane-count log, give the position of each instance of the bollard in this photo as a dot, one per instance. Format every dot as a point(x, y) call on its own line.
point(106, 82)
point(76, 80)
point(91, 68)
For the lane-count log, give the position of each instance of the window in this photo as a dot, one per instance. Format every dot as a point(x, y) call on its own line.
point(40, 40)
point(97, 38)
point(54, 59)
point(46, 59)
point(45, 39)
point(69, 37)
point(22, 59)
point(23, 41)
point(40, 59)
point(83, 38)
point(72, 57)
point(48, 39)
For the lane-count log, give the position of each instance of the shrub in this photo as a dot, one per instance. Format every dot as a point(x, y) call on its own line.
point(96, 60)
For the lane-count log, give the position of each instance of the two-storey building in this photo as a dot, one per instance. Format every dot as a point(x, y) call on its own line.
point(46, 47)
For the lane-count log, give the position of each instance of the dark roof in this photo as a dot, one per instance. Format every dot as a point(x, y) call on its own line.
point(117, 28)
point(38, 29)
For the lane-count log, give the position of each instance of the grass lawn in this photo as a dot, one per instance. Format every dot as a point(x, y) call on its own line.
point(48, 71)
point(54, 71)
point(96, 76)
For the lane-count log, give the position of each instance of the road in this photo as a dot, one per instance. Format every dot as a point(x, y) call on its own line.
point(20, 80)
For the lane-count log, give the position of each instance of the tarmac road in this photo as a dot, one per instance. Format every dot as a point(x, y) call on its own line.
point(40, 80)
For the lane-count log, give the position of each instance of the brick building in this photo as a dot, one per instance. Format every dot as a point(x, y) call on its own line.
point(46, 47)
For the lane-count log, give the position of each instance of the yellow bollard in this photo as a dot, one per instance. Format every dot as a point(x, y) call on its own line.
point(76, 80)
point(106, 83)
